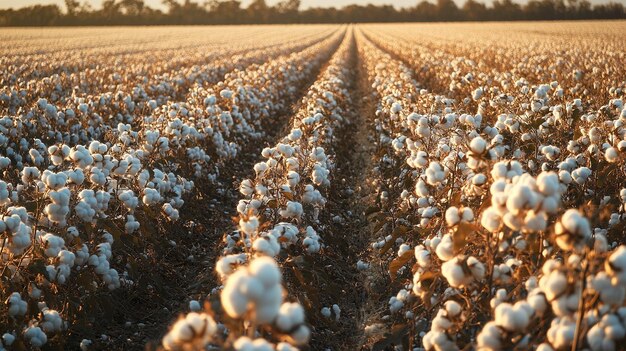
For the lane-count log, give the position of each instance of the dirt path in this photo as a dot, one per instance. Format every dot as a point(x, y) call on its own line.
point(335, 274)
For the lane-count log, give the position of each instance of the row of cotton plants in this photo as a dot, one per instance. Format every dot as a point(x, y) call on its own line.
point(277, 218)
point(82, 107)
point(507, 219)
point(64, 206)
point(164, 76)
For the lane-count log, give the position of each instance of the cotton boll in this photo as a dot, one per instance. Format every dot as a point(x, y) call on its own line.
point(290, 315)
point(491, 219)
point(226, 265)
point(52, 322)
point(194, 306)
point(454, 274)
point(267, 245)
point(250, 226)
point(445, 249)
point(615, 265)
point(194, 331)
point(572, 231)
point(293, 209)
point(611, 155)
point(35, 336)
point(478, 146)
point(452, 216)
point(266, 270)
point(17, 306)
point(234, 301)
point(490, 337)
point(170, 212)
point(513, 318)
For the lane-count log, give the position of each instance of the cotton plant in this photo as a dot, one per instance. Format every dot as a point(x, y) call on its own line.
point(280, 209)
point(489, 209)
point(286, 193)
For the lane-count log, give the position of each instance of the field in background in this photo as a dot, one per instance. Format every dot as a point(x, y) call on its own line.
point(381, 186)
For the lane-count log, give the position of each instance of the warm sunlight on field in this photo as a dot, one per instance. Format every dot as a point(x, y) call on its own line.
point(325, 187)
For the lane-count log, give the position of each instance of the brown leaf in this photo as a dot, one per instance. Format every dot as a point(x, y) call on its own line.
point(398, 262)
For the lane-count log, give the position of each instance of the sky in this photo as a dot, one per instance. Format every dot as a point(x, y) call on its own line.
point(4, 4)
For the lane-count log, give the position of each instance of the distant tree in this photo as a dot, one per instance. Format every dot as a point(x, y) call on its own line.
point(425, 11)
point(133, 12)
point(447, 10)
point(259, 11)
point(72, 6)
point(506, 10)
point(287, 11)
point(474, 11)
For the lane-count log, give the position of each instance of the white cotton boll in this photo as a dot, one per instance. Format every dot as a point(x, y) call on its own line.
point(131, 224)
point(580, 175)
point(422, 256)
point(445, 249)
point(477, 93)
point(561, 333)
point(511, 317)
point(266, 270)
point(326, 312)
point(311, 242)
point(267, 245)
point(572, 231)
point(17, 306)
point(250, 226)
point(226, 265)
point(4, 193)
point(293, 209)
point(319, 176)
point(437, 340)
point(476, 267)
point(616, 265)
point(129, 199)
point(35, 336)
point(454, 273)
point(268, 304)
point(553, 284)
point(548, 183)
point(611, 155)
point(8, 339)
point(491, 219)
point(4, 162)
point(170, 212)
point(194, 306)
point(537, 301)
point(452, 216)
point(192, 332)
point(396, 107)
point(478, 145)
point(301, 335)
point(233, 300)
point(453, 308)
point(421, 188)
point(435, 174)
point(260, 168)
point(490, 337)
point(337, 311)
point(29, 174)
point(535, 221)
point(151, 197)
point(52, 322)
point(289, 316)
point(293, 178)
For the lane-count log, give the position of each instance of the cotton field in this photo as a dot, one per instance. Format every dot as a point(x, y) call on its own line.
point(314, 187)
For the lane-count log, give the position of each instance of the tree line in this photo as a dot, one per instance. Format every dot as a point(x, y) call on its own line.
point(135, 12)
